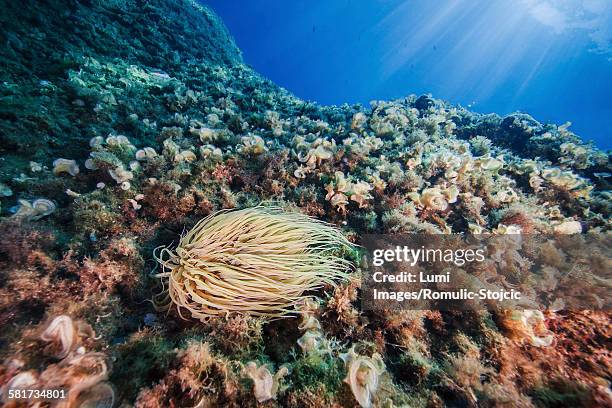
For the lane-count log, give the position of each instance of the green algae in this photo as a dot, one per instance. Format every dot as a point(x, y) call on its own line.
point(317, 372)
point(561, 394)
point(141, 363)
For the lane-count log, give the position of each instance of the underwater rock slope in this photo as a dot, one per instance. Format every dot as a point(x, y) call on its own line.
point(45, 43)
point(123, 123)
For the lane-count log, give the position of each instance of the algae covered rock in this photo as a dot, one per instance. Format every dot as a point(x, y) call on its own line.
point(124, 123)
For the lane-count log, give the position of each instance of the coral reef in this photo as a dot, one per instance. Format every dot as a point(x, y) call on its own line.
point(124, 124)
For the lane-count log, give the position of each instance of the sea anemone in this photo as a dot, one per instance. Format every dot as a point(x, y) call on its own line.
point(258, 261)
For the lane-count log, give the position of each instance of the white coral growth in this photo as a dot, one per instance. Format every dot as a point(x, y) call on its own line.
point(252, 145)
point(363, 375)
point(65, 334)
point(435, 198)
point(534, 327)
point(65, 166)
point(339, 191)
point(34, 210)
point(265, 385)
point(313, 340)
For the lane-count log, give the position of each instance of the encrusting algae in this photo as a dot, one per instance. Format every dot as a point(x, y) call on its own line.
point(257, 261)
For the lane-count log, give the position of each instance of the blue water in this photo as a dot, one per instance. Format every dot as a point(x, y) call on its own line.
point(551, 59)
